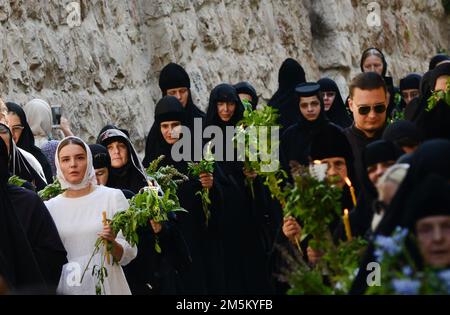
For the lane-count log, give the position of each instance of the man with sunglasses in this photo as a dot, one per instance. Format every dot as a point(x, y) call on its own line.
point(368, 102)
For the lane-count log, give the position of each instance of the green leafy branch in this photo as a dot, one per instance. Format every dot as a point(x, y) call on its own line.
point(439, 95)
point(316, 204)
point(50, 191)
point(249, 130)
point(16, 181)
point(195, 169)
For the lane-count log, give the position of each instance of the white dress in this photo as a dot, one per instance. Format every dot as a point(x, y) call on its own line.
point(78, 221)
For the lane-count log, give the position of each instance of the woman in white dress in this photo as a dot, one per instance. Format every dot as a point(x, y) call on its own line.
point(78, 217)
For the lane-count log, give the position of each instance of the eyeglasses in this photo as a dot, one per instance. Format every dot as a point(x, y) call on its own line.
point(328, 94)
point(365, 109)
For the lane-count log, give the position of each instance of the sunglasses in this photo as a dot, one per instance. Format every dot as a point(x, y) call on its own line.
point(365, 109)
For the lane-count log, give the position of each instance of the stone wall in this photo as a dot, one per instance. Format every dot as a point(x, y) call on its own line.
point(106, 69)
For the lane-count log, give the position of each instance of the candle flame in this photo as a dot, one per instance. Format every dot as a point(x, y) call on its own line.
point(348, 182)
point(317, 162)
point(346, 212)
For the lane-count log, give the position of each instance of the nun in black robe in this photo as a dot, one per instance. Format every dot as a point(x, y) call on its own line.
point(246, 258)
point(285, 99)
point(435, 123)
point(174, 76)
point(417, 105)
point(19, 267)
point(337, 113)
point(430, 158)
point(26, 141)
point(132, 175)
point(18, 164)
point(205, 275)
point(295, 142)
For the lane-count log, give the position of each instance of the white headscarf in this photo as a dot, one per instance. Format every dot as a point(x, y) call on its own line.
point(89, 176)
point(39, 117)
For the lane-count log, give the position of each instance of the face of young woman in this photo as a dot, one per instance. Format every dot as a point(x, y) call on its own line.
point(225, 110)
point(433, 236)
point(170, 131)
point(118, 151)
point(73, 163)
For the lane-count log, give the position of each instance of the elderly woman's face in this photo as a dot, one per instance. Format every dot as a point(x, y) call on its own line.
point(433, 236)
point(118, 151)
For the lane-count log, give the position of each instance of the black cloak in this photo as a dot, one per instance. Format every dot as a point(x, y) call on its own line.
point(173, 76)
point(18, 264)
point(285, 99)
point(246, 251)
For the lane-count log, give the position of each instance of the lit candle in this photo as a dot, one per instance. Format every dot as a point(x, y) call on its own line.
point(348, 231)
point(352, 190)
point(105, 242)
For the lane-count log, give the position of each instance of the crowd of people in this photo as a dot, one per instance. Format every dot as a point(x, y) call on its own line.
point(384, 138)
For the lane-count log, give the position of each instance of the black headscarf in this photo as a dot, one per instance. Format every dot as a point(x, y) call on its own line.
point(247, 88)
point(380, 151)
point(410, 82)
point(417, 105)
point(18, 265)
point(337, 113)
point(225, 93)
point(26, 141)
point(437, 59)
point(403, 133)
point(130, 176)
point(431, 198)
point(285, 99)
point(18, 164)
point(168, 108)
point(100, 156)
point(173, 76)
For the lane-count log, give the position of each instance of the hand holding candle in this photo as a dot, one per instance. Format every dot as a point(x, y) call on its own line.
point(348, 231)
point(352, 190)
